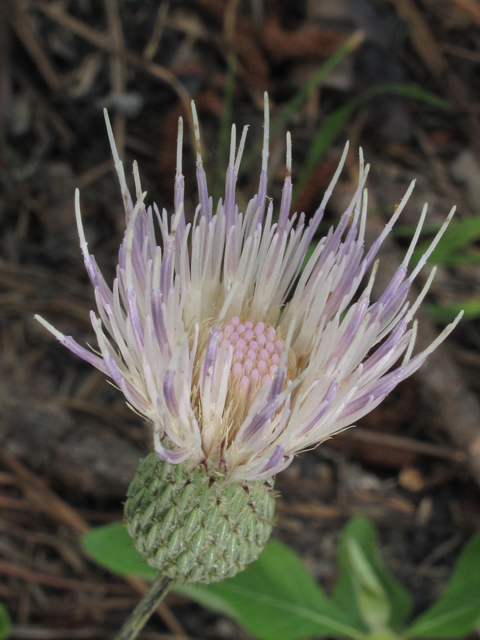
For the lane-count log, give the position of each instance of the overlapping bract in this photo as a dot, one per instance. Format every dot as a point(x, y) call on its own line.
point(158, 328)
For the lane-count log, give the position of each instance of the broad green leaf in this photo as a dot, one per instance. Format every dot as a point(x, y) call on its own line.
point(112, 547)
point(345, 596)
point(457, 611)
point(4, 623)
point(274, 598)
point(383, 635)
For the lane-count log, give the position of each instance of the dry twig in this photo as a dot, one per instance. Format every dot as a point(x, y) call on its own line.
point(24, 27)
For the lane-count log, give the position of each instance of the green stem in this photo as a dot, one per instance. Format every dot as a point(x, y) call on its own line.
point(145, 608)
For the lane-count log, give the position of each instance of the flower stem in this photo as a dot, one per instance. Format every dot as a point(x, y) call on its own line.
point(145, 608)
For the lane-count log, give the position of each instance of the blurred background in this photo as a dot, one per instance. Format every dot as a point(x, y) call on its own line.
point(399, 78)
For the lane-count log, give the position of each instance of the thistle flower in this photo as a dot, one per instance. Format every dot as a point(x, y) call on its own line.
point(238, 353)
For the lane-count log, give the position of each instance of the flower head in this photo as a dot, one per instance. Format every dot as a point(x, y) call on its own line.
point(238, 353)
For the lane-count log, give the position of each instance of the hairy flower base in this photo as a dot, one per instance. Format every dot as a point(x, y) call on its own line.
point(192, 524)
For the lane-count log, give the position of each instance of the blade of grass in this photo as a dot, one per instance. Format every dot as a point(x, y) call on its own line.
point(446, 313)
point(459, 234)
point(335, 122)
point(463, 258)
point(279, 121)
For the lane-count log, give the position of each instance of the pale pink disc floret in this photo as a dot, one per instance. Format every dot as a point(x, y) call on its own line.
point(198, 335)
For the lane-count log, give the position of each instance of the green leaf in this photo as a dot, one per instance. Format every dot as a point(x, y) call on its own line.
point(4, 622)
point(373, 602)
point(459, 234)
point(275, 598)
point(466, 257)
point(362, 533)
point(457, 611)
point(112, 547)
point(383, 635)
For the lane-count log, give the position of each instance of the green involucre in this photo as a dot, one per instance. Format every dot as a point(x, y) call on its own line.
point(193, 524)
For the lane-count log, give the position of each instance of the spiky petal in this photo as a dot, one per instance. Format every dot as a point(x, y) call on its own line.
point(162, 328)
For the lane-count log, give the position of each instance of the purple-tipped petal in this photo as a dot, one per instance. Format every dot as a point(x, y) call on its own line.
point(237, 356)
